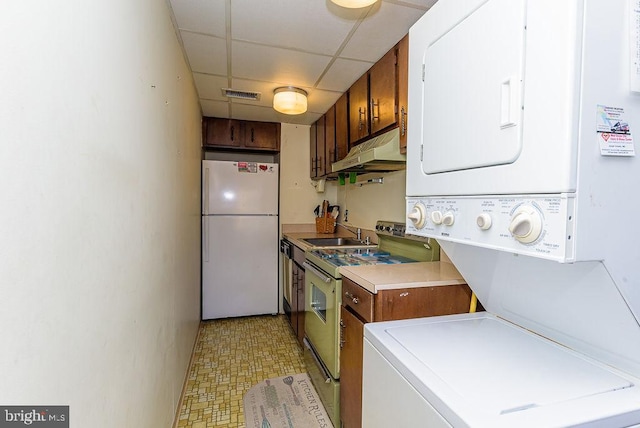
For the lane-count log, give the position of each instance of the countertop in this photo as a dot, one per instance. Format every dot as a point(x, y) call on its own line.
point(406, 275)
point(387, 277)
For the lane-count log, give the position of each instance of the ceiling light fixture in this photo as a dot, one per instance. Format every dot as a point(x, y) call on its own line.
point(290, 100)
point(354, 4)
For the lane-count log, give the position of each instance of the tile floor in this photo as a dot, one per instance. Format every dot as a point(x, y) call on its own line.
point(230, 357)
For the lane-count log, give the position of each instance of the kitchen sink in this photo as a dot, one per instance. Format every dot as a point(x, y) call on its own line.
point(335, 242)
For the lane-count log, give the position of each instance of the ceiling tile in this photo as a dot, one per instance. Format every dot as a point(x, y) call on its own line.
point(251, 112)
point(380, 31)
point(215, 108)
point(201, 16)
point(282, 66)
point(342, 74)
point(209, 87)
point(306, 25)
point(206, 54)
point(321, 101)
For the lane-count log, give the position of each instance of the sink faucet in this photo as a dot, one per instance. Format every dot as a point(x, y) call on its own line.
point(358, 232)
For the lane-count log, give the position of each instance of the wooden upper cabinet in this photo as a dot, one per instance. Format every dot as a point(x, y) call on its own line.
point(330, 138)
point(239, 134)
point(262, 135)
point(342, 126)
point(403, 90)
point(373, 99)
point(321, 148)
point(358, 109)
point(313, 149)
point(222, 132)
point(383, 89)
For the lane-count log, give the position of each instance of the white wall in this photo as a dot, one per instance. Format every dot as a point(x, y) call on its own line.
point(298, 196)
point(372, 202)
point(99, 210)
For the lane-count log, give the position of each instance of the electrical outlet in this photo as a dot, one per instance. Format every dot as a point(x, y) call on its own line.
point(346, 216)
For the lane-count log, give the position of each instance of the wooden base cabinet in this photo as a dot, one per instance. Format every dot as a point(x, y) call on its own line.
point(359, 306)
point(297, 293)
point(351, 341)
point(297, 309)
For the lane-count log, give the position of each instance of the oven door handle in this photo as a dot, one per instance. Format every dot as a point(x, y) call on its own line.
point(315, 271)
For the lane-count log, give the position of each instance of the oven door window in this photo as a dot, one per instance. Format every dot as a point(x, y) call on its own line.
point(319, 302)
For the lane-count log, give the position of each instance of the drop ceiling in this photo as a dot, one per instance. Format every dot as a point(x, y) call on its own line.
point(259, 45)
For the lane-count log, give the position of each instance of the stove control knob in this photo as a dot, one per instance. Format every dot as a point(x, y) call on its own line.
point(436, 217)
point(483, 221)
point(448, 218)
point(526, 224)
point(418, 215)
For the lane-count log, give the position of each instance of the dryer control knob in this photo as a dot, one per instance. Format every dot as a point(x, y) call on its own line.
point(448, 218)
point(483, 221)
point(436, 217)
point(526, 224)
point(418, 215)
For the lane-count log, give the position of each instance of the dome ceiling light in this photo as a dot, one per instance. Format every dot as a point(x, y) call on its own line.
point(354, 4)
point(290, 100)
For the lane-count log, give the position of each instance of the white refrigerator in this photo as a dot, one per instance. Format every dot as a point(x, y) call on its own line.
point(239, 239)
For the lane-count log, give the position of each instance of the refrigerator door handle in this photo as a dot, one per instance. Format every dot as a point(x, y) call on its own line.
point(205, 189)
point(205, 240)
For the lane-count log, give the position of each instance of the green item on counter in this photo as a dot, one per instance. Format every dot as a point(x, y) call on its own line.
point(341, 178)
point(352, 177)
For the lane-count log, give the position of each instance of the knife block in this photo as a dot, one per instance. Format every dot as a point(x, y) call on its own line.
point(325, 225)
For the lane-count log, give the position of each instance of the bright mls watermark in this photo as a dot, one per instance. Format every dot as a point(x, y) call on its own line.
point(34, 416)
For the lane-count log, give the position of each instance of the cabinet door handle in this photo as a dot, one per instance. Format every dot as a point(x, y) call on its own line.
point(373, 111)
point(353, 298)
point(252, 135)
point(232, 129)
point(361, 113)
point(403, 121)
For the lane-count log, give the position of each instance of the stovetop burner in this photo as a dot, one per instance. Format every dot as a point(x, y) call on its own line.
point(393, 248)
point(356, 256)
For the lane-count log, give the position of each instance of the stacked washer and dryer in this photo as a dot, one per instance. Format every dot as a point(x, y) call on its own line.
point(521, 163)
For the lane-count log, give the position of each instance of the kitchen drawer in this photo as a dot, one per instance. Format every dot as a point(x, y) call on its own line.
point(358, 299)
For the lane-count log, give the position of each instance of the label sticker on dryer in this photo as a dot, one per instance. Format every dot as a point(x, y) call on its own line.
point(613, 132)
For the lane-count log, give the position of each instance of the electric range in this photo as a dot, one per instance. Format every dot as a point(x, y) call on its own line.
point(323, 297)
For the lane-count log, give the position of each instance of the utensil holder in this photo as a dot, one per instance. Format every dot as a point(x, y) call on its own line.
point(325, 225)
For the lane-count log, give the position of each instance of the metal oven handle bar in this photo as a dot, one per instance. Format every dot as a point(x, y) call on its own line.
point(318, 273)
point(325, 372)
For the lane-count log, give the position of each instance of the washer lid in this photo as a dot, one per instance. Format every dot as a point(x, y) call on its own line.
point(478, 370)
point(501, 368)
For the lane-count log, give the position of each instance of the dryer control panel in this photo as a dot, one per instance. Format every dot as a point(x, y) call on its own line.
point(536, 225)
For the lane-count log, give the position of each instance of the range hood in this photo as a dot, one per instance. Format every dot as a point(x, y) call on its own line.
point(380, 154)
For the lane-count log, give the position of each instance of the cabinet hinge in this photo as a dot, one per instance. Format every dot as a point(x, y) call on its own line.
point(421, 151)
point(423, 72)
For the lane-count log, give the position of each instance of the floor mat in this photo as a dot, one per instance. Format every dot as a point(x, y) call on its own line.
point(285, 402)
